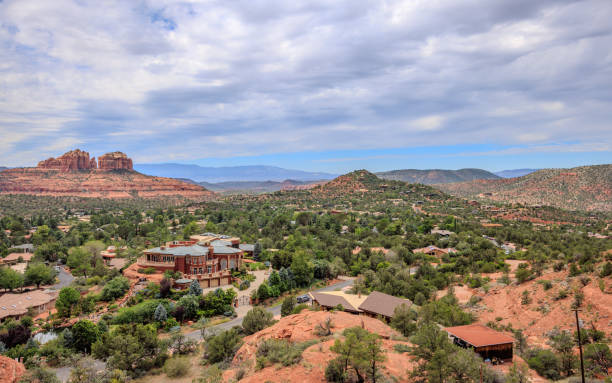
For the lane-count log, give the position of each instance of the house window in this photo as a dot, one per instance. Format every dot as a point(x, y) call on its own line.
point(223, 264)
point(209, 269)
point(200, 271)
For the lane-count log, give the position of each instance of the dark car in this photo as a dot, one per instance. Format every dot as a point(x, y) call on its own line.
point(303, 298)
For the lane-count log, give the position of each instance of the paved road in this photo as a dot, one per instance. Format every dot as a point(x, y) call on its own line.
point(65, 279)
point(196, 335)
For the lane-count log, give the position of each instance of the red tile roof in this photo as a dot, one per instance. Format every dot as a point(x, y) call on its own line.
point(478, 335)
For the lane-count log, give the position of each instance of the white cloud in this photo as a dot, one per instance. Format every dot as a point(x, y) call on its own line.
point(159, 75)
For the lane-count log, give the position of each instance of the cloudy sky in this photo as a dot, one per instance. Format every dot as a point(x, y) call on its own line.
point(314, 85)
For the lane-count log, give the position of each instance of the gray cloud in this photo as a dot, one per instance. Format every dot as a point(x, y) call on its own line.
point(258, 78)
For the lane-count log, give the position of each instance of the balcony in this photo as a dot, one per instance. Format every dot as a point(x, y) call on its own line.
point(142, 261)
point(218, 274)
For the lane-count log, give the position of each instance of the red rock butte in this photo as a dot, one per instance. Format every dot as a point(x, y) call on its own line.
point(79, 160)
point(112, 176)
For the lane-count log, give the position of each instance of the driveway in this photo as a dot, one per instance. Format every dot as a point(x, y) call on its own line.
point(65, 279)
point(276, 310)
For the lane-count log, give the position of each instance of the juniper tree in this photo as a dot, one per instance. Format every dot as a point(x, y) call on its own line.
point(160, 315)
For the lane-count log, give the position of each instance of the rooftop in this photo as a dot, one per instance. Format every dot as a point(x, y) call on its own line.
point(18, 304)
point(382, 304)
point(13, 257)
point(478, 335)
point(332, 300)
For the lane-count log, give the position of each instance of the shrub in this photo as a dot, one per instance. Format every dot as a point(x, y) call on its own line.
point(324, 328)
point(281, 351)
point(288, 305)
point(176, 367)
point(606, 270)
point(222, 346)
point(298, 309)
point(547, 285)
point(562, 294)
point(115, 288)
point(525, 299)
point(334, 372)
point(545, 362)
point(256, 320)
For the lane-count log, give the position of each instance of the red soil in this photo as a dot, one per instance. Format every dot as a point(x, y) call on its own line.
point(300, 328)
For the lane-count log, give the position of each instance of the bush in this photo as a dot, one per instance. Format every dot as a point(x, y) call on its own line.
point(547, 285)
point(256, 320)
point(334, 372)
point(298, 309)
point(223, 346)
point(281, 351)
point(176, 367)
point(545, 362)
point(115, 288)
point(606, 270)
point(288, 306)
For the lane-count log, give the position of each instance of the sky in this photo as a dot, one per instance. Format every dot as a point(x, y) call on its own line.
point(314, 85)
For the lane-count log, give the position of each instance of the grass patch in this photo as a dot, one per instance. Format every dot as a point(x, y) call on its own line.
point(282, 351)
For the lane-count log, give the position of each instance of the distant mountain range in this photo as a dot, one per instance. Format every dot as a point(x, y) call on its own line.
point(587, 188)
point(515, 172)
point(235, 187)
point(436, 176)
point(230, 173)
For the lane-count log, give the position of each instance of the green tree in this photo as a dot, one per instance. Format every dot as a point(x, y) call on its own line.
point(563, 343)
point(66, 301)
point(84, 334)
point(133, 348)
point(257, 319)
point(190, 229)
point(222, 346)
point(404, 320)
point(288, 305)
point(160, 314)
point(115, 288)
point(519, 373)
point(598, 358)
point(38, 273)
point(80, 261)
point(195, 288)
point(302, 270)
point(10, 279)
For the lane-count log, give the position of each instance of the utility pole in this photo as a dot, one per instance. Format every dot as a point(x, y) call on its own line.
point(579, 344)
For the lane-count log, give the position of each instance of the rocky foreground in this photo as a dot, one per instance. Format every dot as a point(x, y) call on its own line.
point(75, 174)
point(302, 328)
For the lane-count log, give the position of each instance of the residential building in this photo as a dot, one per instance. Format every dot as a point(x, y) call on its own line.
point(485, 341)
point(209, 261)
point(18, 305)
point(375, 305)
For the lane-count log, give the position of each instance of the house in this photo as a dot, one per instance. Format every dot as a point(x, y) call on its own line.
point(378, 304)
point(435, 251)
point(247, 248)
point(210, 262)
point(18, 305)
point(443, 233)
point(375, 305)
point(26, 247)
point(15, 258)
point(485, 341)
point(331, 299)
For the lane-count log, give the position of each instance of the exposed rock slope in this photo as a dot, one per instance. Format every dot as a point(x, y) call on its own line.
point(301, 328)
point(75, 174)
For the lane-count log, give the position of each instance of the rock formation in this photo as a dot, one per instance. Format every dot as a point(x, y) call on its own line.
point(73, 160)
point(75, 174)
point(10, 370)
point(115, 161)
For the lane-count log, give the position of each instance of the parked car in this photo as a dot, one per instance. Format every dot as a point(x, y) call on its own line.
point(303, 298)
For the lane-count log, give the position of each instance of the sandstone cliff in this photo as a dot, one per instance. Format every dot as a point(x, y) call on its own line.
point(75, 174)
point(10, 370)
point(115, 161)
point(72, 160)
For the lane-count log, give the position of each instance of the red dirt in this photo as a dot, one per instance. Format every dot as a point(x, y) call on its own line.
point(131, 272)
point(300, 328)
point(505, 302)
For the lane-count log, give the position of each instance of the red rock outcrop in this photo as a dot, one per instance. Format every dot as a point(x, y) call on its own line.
point(72, 160)
point(115, 161)
point(75, 174)
point(10, 370)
